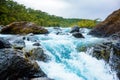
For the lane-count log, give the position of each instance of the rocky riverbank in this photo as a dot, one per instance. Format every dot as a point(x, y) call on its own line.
point(23, 28)
point(108, 27)
point(109, 50)
point(16, 64)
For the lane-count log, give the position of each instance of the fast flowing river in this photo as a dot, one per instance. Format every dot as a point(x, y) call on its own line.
point(68, 62)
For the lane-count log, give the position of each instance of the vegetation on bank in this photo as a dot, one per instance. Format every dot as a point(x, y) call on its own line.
point(11, 11)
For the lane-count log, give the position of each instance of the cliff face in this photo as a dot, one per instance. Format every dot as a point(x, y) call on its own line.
point(108, 27)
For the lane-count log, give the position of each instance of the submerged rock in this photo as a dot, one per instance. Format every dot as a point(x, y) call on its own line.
point(14, 65)
point(19, 44)
point(58, 28)
point(74, 29)
point(37, 54)
point(4, 43)
point(23, 28)
point(78, 35)
point(109, 26)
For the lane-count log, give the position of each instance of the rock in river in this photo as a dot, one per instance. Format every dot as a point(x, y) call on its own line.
point(14, 65)
point(19, 44)
point(23, 28)
point(37, 44)
point(74, 29)
point(78, 35)
point(4, 43)
point(37, 54)
point(110, 52)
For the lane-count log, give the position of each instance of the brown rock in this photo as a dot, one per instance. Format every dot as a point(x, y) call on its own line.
point(23, 28)
point(109, 26)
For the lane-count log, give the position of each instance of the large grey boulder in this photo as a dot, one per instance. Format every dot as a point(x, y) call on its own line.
point(4, 43)
point(110, 52)
point(14, 65)
point(19, 44)
point(37, 54)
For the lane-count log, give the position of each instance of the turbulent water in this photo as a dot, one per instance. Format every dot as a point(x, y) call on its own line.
point(68, 62)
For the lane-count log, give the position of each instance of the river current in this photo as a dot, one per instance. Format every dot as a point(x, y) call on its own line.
point(68, 62)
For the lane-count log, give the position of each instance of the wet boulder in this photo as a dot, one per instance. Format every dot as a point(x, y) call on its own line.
point(37, 44)
point(110, 52)
point(37, 54)
point(116, 48)
point(115, 36)
point(4, 43)
point(77, 35)
point(103, 51)
point(74, 29)
point(18, 44)
point(23, 27)
point(14, 65)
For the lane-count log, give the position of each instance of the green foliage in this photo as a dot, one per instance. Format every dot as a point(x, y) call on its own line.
point(11, 11)
point(87, 23)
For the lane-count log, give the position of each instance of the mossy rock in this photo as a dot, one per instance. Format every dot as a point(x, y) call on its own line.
point(37, 54)
point(23, 28)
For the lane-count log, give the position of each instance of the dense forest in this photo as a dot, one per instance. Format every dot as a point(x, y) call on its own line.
point(11, 11)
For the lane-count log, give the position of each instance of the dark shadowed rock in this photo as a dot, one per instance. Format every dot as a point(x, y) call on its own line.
point(23, 28)
point(78, 35)
point(19, 44)
point(4, 43)
point(74, 29)
point(37, 54)
point(110, 52)
point(14, 65)
point(109, 26)
point(115, 36)
point(36, 44)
